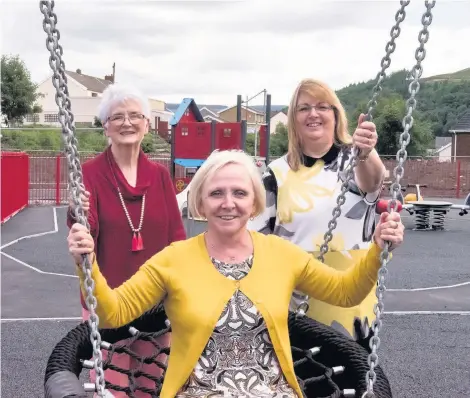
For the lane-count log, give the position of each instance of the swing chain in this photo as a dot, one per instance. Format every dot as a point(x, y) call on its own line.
point(398, 172)
point(385, 63)
point(66, 119)
point(341, 199)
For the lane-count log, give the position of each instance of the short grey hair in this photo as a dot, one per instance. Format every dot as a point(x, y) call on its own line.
point(216, 161)
point(117, 93)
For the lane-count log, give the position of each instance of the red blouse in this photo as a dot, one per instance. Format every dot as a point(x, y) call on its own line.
point(162, 223)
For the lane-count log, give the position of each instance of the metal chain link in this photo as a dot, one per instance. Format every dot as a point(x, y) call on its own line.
point(66, 119)
point(386, 61)
point(372, 104)
point(398, 172)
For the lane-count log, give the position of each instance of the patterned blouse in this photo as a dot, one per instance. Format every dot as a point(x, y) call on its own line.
point(239, 360)
point(299, 206)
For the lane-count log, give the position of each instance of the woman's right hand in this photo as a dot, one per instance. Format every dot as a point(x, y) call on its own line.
point(80, 242)
point(85, 198)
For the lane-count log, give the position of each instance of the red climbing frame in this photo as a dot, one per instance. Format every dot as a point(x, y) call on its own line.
point(192, 140)
point(228, 136)
point(262, 141)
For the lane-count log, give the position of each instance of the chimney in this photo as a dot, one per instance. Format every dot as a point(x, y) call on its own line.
point(79, 71)
point(111, 78)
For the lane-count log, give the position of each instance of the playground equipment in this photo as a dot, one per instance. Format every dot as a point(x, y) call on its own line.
point(183, 188)
point(327, 363)
point(430, 215)
point(193, 139)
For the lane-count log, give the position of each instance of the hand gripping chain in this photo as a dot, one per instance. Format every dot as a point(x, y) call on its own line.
point(385, 63)
point(398, 172)
point(66, 119)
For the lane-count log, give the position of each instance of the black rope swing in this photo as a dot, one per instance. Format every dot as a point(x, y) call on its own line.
point(327, 363)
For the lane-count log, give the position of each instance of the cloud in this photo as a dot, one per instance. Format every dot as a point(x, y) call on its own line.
point(214, 50)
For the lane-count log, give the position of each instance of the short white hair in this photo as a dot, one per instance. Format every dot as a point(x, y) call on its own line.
point(216, 161)
point(116, 94)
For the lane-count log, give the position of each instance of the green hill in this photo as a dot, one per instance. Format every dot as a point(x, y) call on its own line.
point(441, 101)
point(463, 74)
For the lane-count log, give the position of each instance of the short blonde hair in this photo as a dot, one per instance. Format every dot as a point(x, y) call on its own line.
point(216, 161)
point(323, 93)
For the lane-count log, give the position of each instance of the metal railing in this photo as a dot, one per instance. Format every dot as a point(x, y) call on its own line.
point(48, 179)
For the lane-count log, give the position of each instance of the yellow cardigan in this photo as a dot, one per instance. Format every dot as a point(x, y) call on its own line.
point(195, 294)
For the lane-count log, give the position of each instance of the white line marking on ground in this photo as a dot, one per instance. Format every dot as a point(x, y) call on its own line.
point(41, 319)
point(37, 269)
point(72, 318)
point(427, 313)
point(420, 289)
point(55, 230)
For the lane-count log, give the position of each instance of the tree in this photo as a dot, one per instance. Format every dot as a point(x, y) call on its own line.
point(278, 144)
point(388, 119)
point(441, 100)
point(97, 122)
point(19, 93)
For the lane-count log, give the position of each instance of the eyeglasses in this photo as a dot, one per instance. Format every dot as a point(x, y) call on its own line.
point(304, 108)
point(119, 119)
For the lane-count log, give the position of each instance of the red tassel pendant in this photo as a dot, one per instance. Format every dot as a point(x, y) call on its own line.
point(137, 243)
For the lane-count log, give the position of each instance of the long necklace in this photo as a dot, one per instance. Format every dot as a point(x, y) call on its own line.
point(137, 242)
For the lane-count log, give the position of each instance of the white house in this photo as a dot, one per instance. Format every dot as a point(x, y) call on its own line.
point(210, 115)
point(85, 93)
point(444, 154)
point(442, 149)
point(277, 117)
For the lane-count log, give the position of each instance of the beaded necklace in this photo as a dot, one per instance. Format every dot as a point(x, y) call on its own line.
point(137, 242)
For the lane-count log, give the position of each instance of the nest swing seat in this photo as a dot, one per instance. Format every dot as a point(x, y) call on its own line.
point(327, 363)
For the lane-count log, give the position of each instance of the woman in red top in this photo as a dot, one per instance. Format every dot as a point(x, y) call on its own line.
point(127, 199)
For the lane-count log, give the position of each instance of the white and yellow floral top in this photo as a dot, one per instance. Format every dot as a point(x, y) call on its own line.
point(299, 206)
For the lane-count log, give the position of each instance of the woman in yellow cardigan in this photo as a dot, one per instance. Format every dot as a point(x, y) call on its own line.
point(226, 292)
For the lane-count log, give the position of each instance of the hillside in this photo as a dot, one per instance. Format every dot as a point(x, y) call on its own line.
point(441, 100)
point(463, 74)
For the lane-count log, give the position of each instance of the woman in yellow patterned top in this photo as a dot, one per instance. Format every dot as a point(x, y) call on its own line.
point(226, 292)
point(302, 188)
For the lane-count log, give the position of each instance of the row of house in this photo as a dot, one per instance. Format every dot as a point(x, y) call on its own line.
point(85, 92)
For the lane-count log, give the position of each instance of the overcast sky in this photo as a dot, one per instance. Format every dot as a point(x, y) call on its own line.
point(213, 50)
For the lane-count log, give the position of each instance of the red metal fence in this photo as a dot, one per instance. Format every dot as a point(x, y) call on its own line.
point(442, 179)
point(48, 182)
point(14, 183)
point(48, 175)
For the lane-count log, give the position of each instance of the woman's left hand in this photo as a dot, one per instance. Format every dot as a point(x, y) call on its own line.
point(365, 136)
point(80, 242)
point(389, 228)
